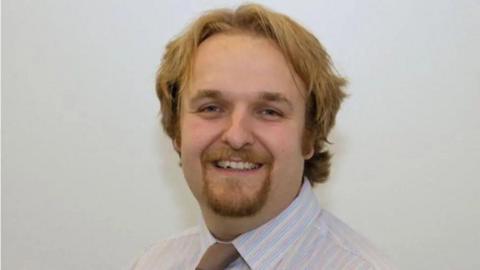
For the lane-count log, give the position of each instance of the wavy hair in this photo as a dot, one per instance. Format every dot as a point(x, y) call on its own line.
point(305, 54)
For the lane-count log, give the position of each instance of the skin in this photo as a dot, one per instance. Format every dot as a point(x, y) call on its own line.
point(244, 103)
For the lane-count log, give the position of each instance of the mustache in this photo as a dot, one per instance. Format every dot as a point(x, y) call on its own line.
point(227, 153)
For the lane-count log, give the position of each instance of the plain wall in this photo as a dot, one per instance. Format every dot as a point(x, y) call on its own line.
point(89, 180)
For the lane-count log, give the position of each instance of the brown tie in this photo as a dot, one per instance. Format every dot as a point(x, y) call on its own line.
point(217, 257)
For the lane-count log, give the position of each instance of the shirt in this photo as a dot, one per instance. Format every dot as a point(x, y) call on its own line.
point(303, 236)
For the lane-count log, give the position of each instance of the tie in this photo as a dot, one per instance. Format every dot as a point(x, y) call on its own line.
point(217, 257)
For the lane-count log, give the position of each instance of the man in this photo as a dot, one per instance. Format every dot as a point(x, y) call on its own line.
point(248, 97)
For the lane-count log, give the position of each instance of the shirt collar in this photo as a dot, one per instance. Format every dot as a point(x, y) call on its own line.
point(264, 246)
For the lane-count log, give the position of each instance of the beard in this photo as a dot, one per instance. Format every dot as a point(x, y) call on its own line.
point(234, 196)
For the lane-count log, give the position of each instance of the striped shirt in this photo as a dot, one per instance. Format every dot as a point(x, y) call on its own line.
point(303, 236)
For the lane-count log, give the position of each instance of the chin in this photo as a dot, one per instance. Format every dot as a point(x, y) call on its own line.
point(230, 198)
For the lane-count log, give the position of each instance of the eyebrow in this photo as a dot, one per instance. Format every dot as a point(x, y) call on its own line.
point(264, 95)
point(275, 97)
point(206, 93)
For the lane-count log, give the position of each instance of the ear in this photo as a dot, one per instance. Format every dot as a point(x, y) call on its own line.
point(308, 148)
point(308, 155)
point(176, 145)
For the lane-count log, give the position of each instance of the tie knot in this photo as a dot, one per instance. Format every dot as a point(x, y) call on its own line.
point(218, 256)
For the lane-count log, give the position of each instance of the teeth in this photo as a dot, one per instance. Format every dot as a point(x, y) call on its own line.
point(237, 165)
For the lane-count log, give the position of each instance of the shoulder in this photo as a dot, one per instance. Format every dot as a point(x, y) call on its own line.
point(348, 246)
point(168, 251)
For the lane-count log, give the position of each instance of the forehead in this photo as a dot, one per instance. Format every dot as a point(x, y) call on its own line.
point(239, 62)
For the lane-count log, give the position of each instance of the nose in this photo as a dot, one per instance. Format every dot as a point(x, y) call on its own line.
point(238, 132)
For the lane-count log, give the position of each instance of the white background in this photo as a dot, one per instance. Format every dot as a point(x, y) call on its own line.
point(89, 180)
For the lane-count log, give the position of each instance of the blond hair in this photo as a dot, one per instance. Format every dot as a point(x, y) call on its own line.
point(302, 50)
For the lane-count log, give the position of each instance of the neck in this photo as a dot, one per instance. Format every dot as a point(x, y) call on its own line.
point(228, 228)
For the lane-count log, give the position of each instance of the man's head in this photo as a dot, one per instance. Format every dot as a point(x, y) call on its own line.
point(248, 97)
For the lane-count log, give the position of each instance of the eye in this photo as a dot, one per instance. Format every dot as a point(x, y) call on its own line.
point(210, 108)
point(210, 111)
point(270, 113)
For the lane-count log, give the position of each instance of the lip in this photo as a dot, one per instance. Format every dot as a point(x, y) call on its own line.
point(236, 172)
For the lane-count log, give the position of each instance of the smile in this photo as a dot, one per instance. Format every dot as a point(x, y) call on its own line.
point(236, 165)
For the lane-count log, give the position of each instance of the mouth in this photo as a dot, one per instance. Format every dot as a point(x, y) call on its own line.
point(237, 165)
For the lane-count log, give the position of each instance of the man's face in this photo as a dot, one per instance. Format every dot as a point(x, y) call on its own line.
point(242, 125)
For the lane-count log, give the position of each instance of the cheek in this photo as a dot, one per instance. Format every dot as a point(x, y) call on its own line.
point(285, 144)
point(196, 134)
point(284, 141)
